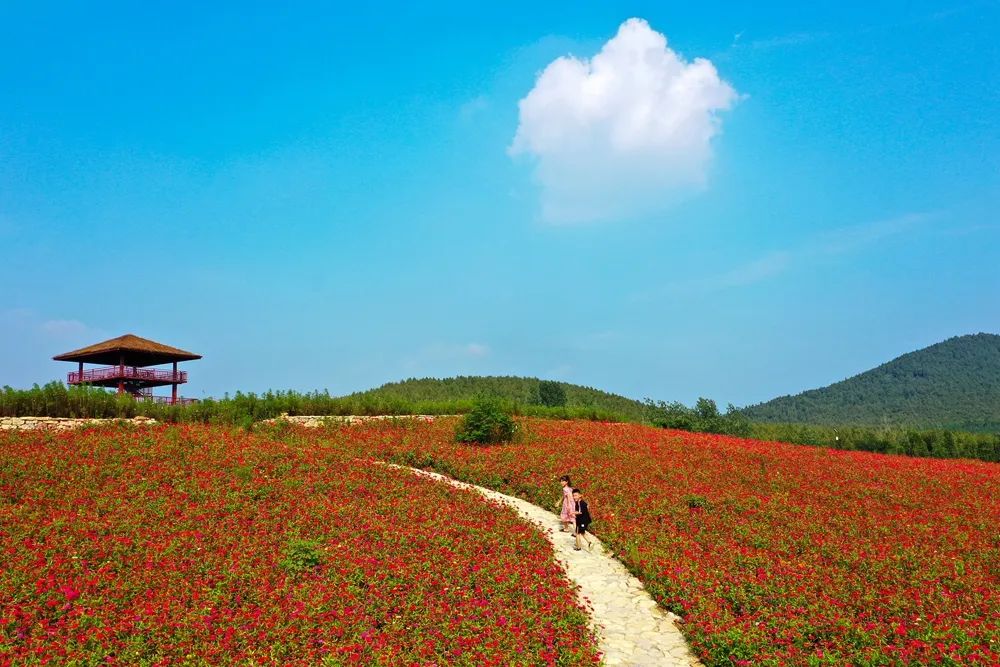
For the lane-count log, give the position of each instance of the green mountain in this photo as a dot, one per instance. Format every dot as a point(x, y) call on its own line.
point(953, 384)
point(519, 389)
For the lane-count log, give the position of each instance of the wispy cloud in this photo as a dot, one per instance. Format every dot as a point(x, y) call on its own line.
point(561, 372)
point(437, 357)
point(753, 271)
point(843, 241)
point(64, 328)
point(597, 341)
point(477, 105)
point(849, 239)
point(476, 349)
point(782, 41)
point(29, 321)
point(957, 10)
point(802, 37)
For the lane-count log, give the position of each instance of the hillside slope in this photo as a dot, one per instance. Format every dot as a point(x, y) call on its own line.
point(522, 390)
point(952, 384)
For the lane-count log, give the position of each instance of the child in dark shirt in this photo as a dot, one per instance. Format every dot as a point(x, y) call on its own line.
point(582, 521)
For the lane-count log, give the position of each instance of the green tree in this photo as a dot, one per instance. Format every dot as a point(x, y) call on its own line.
point(706, 409)
point(551, 394)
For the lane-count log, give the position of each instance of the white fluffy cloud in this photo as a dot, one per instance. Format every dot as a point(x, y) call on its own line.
point(624, 133)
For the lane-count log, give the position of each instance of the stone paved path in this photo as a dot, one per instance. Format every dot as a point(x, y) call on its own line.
point(631, 628)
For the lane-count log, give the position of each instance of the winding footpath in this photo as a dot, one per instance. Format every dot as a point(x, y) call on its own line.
point(631, 628)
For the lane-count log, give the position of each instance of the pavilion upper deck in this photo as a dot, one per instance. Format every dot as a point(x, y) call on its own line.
point(127, 373)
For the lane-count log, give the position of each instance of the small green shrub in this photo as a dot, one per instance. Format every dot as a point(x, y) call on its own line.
point(696, 502)
point(489, 422)
point(301, 555)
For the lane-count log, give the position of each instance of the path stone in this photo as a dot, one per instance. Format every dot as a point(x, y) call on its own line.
point(631, 628)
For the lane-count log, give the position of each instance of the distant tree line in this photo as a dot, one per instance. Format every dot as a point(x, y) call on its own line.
point(550, 400)
point(705, 417)
point(55, 399)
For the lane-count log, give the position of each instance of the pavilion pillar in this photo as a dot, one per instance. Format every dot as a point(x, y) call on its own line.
point(80, 378)
point(121, 374)
point(173, 387)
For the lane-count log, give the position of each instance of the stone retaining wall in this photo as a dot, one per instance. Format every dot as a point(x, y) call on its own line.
point(63, 423)
point(309, 421)
point(315, 421)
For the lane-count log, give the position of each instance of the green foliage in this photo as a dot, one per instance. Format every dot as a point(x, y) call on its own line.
point(551, 394)
point(526, 393)
point(933, 443)
point(489, 422)
point(954, 384)
point(936, 443)
point(245, 409)
point(703, 418)
point(694, 501)
point(706, 410)
point(301, 555)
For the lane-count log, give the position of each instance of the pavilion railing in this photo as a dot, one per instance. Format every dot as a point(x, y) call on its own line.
point(126, 373)
point(168, 400)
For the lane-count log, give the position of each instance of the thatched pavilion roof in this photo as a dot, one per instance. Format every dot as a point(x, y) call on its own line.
point(137, 352)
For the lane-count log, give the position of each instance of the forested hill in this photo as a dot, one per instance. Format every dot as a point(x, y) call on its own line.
point(518, 389)
point(953, 384)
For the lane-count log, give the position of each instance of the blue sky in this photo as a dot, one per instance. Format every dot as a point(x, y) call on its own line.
point(314, 197)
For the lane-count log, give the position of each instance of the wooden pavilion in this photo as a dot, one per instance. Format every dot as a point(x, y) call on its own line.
point(126, 361)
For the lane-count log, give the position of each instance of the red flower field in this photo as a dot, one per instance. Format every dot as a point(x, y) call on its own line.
point(209, 546)
point(147, 546)
point(774, 554)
